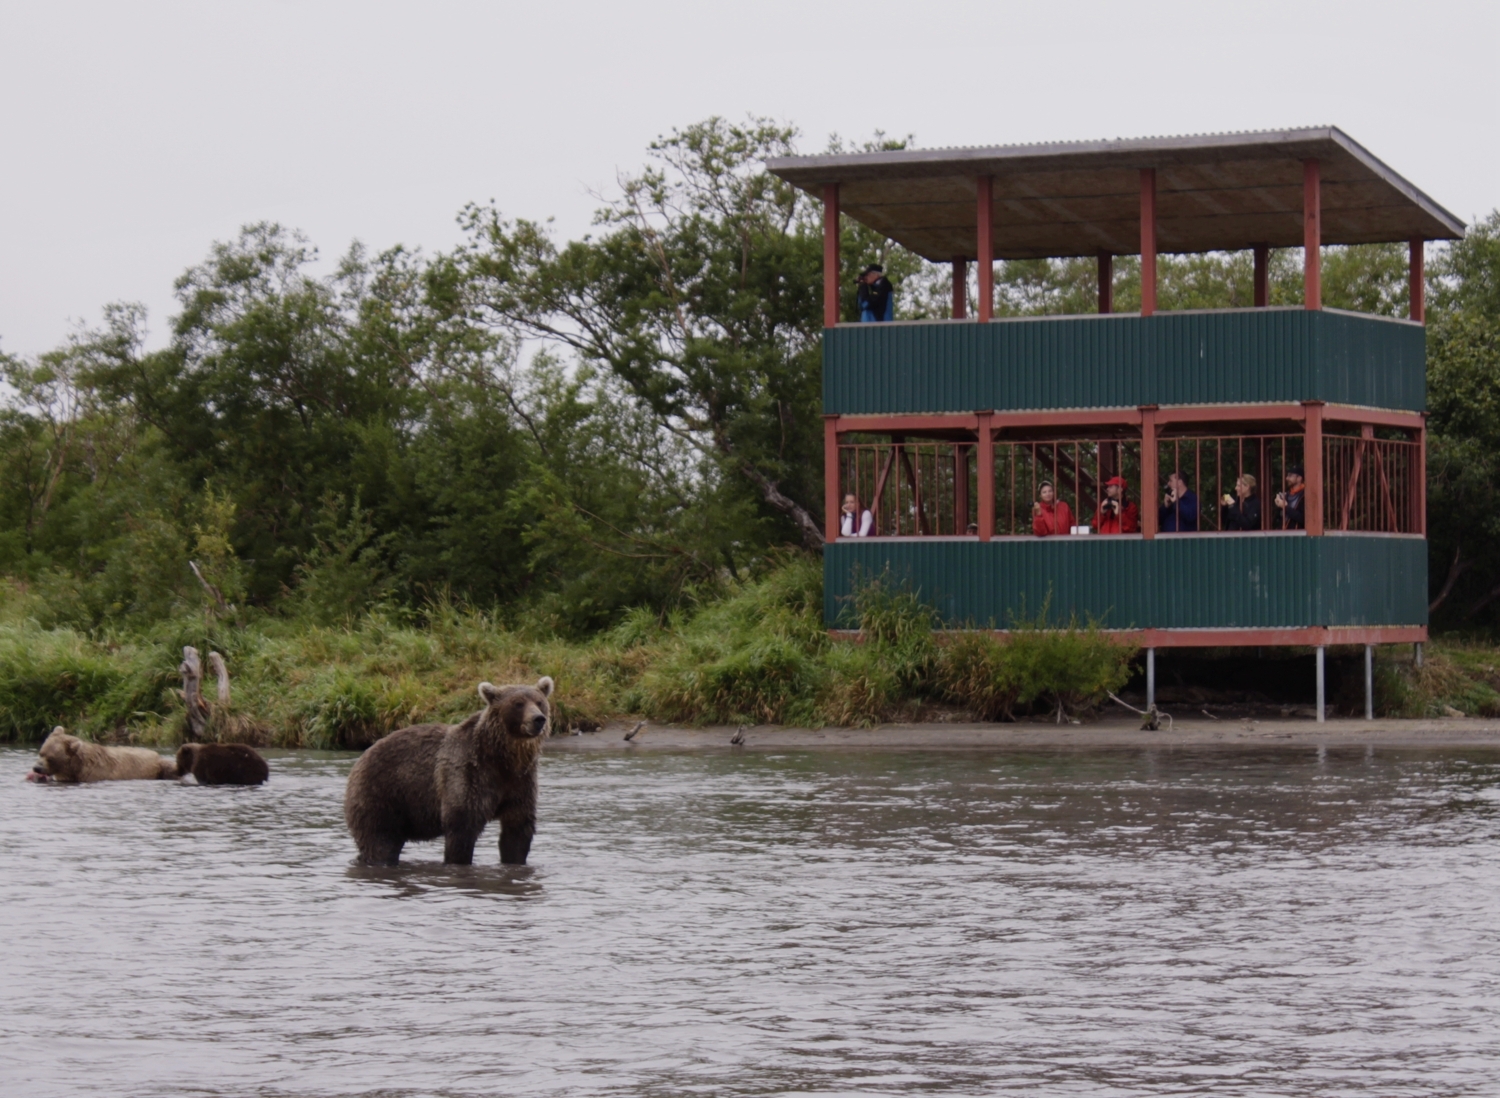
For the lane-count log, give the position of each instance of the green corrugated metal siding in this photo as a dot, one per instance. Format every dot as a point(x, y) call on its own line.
point(1241, 356)
point(1204, 582)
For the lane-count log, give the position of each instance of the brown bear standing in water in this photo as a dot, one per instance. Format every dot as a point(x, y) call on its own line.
point(451, 780)
point(66, 758)
point(222, 764)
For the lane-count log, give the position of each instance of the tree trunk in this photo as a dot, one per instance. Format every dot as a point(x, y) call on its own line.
point(1454, 571)
point(812, 532)
point(198, 711)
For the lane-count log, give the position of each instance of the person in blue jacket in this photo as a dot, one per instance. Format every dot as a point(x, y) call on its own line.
point(876, 295)
point(1179, 509)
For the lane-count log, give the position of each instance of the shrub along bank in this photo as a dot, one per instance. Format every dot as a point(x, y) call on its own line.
point(759, 654)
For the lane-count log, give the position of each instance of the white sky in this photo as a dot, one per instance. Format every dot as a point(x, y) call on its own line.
point(132, 135)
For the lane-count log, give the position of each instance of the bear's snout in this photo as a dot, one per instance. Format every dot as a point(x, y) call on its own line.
point(536, 724)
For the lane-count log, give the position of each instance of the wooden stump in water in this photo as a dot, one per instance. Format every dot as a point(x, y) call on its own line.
point(198, 712)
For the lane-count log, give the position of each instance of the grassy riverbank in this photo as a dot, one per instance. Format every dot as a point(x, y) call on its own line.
point(758, 655)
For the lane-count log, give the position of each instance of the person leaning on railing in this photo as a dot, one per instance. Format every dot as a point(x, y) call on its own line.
point(1049, 515)
point(1292, 502)
point(854, 522)
point(1116, 514)
point(1241, 511)
point(1179, 509)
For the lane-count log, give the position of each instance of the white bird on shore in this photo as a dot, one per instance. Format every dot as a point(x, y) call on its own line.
point(632, 733)
point(739, 736)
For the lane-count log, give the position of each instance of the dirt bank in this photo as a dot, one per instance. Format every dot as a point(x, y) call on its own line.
point(1103, 733)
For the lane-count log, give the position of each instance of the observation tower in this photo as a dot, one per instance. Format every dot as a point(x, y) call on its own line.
point(944, 429)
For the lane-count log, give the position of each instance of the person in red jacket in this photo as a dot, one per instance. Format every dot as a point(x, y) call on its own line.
point(1116, 514)
point(1050, 515)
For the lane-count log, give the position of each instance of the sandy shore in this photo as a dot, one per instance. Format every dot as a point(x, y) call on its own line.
point(1110, 732)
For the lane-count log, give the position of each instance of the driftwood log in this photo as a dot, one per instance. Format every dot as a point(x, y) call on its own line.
point(200, 714)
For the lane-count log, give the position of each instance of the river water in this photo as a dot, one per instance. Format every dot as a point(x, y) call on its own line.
point(1063, 923)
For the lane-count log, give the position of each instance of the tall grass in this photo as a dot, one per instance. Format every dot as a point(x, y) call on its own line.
point(761, 654)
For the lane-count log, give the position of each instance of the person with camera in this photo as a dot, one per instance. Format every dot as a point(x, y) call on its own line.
point(876, 296)
point(1293, 502)
point(854, 522)
point(1116, 514)
point(1240, 511)
point(1179, 507)
point(1050, 516)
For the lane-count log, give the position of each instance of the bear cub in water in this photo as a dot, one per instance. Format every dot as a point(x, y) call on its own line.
point(65, 758)
point(222, 764)
point(451, 780)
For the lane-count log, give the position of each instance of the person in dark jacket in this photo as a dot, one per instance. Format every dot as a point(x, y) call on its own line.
point(1241, 511)
point(876, 297)
point(1293, 502)
point(1179, 509)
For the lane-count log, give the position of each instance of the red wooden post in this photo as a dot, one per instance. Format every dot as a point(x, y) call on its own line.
point(1262, 275)
point(1149, 475)
point(1312, 239)
point(1417, 281)
point(986, 459)
point(831, 500)
point(1312, 465)
point(1106, 282)
point(985, 200)
point(1420, 526)
point(960, 287)
point(1148, 241)
point(831, 309)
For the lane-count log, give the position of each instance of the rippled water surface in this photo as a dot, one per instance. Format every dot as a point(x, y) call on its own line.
point(1105, 923)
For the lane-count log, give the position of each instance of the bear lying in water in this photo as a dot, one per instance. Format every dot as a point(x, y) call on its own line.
point(451, 780)
point(222, 764)
point(65, 758)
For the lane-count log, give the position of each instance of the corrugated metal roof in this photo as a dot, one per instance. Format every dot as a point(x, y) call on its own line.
point(1214, 191)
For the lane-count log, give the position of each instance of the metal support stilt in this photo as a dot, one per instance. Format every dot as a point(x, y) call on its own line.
point(1417, 653)
point(1369, 682)
point(1150, 678)
point(1321, 710)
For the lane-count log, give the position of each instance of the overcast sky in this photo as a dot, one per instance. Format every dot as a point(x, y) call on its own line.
point(134, 134)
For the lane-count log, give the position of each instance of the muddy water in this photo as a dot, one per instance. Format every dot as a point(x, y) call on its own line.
point(1118, 923)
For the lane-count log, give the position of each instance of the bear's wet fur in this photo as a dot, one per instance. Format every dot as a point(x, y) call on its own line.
point(66, 758)
point(451, 780)
point(222, 764)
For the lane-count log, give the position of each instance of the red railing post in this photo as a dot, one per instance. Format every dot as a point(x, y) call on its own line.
point(831, 501)
point(831, 309)
point(1148, 241)
point(1312, 466)
point(960, 287)
point(986, 485)
point(1262, 254)
point(1312, 237)
point(1106, 282)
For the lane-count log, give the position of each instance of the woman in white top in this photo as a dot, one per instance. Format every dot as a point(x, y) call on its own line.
point(853, 522)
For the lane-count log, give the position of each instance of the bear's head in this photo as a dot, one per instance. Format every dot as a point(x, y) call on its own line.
point(62, 755)
point(519, 711)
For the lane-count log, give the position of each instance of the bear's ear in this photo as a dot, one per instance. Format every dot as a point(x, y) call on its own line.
point(489, 693)
point(544, 684)
point(72, 746)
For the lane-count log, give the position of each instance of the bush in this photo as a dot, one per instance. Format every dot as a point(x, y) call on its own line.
point(1072, 669)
